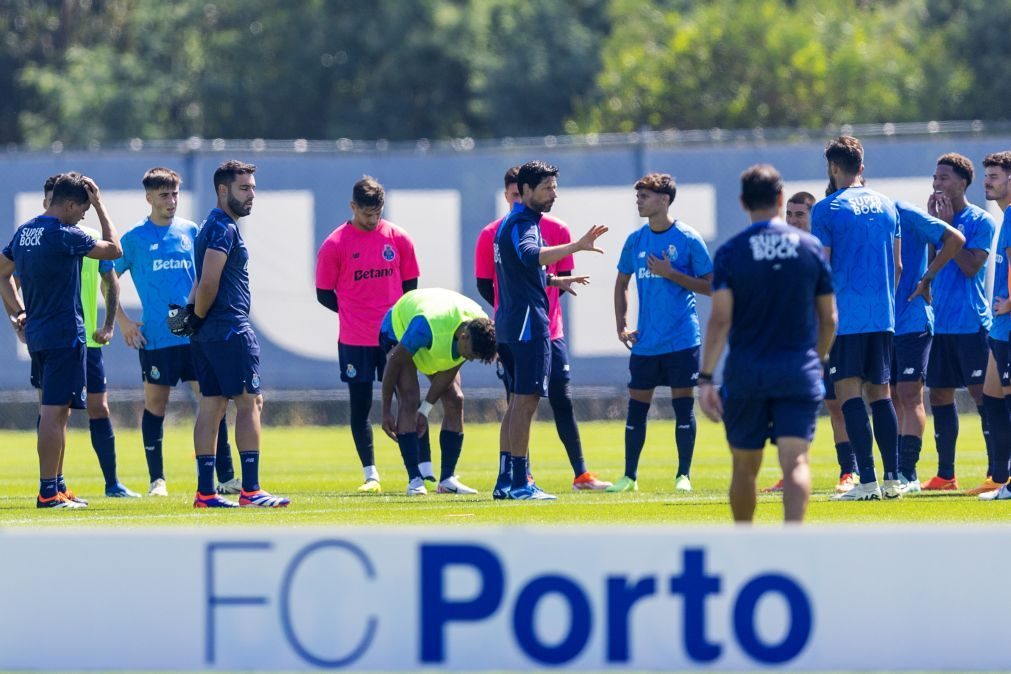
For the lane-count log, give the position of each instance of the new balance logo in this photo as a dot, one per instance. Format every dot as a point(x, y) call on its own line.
point(908, 370)
point(250, 460)
point(149, 449)
point(685, 427)
point(977, 373)
point(154, 246)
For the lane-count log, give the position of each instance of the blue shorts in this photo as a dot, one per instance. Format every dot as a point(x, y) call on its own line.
point(165, 367)
point(829, 384)
point(958, 360)
point(95, 381)
point(1001, 354)
point(909, 357)
point(750, 422)
point(527, 366)
point(677, 369)
point(362, 364)
point(867, 355)
point(228, 368)
point(61, 374)
point(559, 365)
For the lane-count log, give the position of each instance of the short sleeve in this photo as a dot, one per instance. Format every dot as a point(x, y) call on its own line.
point(219, 237)
point(327, 266)
point(701, 263)
point(626, 261)
point(721, 269)
point(105, 266)
point(418, 335)
point(982, 233)
point(484, 254)
point(76, 243)
point(821, 223)
point(122, 263)
point(568, 263)
point(408, 260)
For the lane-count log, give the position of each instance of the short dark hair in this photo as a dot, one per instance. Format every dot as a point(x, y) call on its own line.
point(368, 193)
point(960, 164)
point(661, 183)
point(69, 187)
point(533, 173)
point(482, 339)
point(159, 178)
point(1001, 159)
point(845, 152)
point(805, 198)
point(227, 171)
point(761, 185)
point(511, 176)
point(50, 183)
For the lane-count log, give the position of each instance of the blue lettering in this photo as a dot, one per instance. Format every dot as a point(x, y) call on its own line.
point(579, 625)
point(621, 597)
point(800, 619)
point(437, 610)
point(371, 625)
point(695, 585)
point(213, 600)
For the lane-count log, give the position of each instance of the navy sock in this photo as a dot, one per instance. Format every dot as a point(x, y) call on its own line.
point(945, 436)
point(886, 433)
point(844, 455)
point(858, 428)
point(684, 433)
point(519, 470)
point(361, 429)
point(909, 455)
point(61, 484)
point(409, 453)
point(986, 438)
point(250, 462)
point(152, 431)
point(451, 444)
point(104, 442)
point(635, 436)
point(565, 423)
point(425, 447)
point(504, 465)
point(47, 488)
point(223, 455)
point(205, 474)
point(999, 420)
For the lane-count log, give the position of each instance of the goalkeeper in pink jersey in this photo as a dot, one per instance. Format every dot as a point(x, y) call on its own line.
point(362, 269)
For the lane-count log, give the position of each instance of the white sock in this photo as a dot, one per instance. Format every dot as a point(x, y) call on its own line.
point(371, 473)
point(425, 467)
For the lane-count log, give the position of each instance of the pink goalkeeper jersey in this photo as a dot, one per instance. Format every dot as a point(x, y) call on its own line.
point(555, 233)
point(366, 270)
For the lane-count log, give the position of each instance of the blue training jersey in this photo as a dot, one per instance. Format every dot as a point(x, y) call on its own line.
point(860, 226)
point(1002, 324)
point(668, 320)
point(47, 258)
point(775, 273)
point(229, 315)
point(161, 262)
point(919, 230)
point(522, 312)
point(960, 305)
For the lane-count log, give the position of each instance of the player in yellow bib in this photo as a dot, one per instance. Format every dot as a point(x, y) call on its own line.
point(432, 331)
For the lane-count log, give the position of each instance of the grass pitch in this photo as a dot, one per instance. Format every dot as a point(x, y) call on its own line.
point(317, 467)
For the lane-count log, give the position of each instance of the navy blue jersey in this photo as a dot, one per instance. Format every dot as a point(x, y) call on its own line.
point(775, 272)
point(960, 305)
point(522, 312)
point(47, 258)
point(919, 229)
point(229, 314)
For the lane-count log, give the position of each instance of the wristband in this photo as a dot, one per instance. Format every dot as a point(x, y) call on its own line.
point(705, 377)
point(424, 408)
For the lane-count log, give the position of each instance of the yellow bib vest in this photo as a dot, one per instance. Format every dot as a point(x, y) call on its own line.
point(89, 292)
point(445, 311)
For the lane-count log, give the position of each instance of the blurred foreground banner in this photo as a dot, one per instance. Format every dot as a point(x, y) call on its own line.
point(503, 599)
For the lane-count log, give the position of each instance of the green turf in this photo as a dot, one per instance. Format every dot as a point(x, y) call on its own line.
point(318, 468)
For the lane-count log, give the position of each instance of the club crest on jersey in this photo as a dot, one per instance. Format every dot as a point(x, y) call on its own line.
point(672, 252)
point(84, 394)
point(388, 254)
point(255, 381)
point(185, 243)
point(154, 373)
point(350, 371)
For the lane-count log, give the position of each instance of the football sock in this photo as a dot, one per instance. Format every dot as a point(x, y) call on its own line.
point(945, 436)
point(519, 470)
point(504, 466)
point(47, 488)
point(909, 455)
point(361, 429)
point(371, 473)
point(1000, 436)
point(152, 431)
point(250, 462)
point(223, 456)
point(684, 432)
point(635, 436)
point(451, 444)
point(886, 433)
point(61, 484)
point(844, 455)
point(986, 438)
point(205, 474)
point(408, 443)
point(104, 441)
point(858, 428)
point(560, 399)
point(425, 450)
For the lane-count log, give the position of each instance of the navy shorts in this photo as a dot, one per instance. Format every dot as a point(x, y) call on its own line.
point(1001, 354)
point(228, 368)
point(678, 369)
point(909, 357)
point(750, 422)
point(166, 367)
point(362, 364)
point(958, 360)
point(867, 355)
point(95, 381)
point(829, 384)
point(527, 366)
point(61, 374)
point(559, 365)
